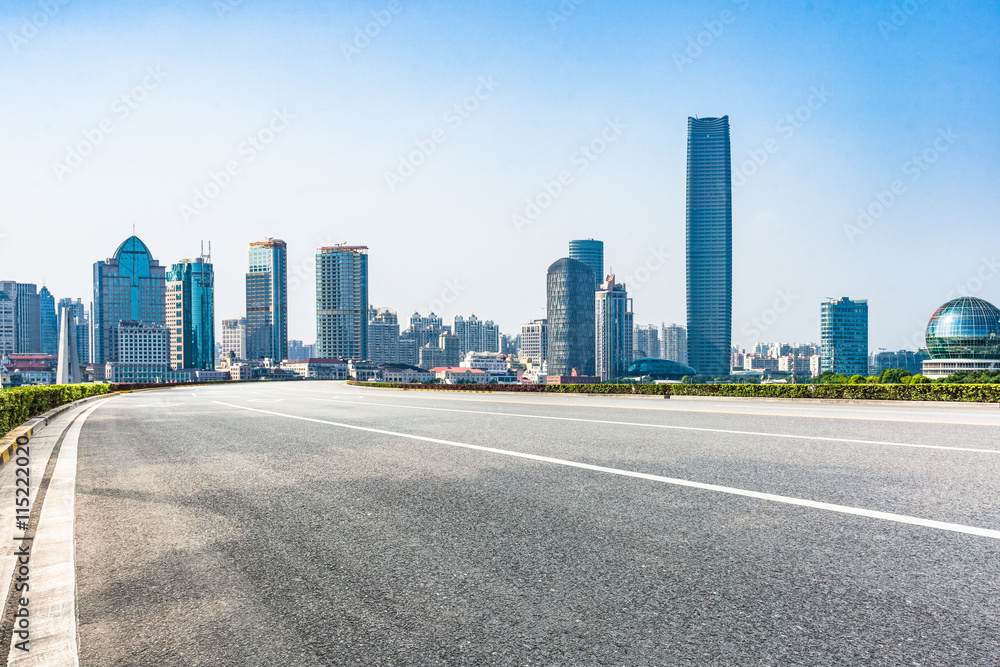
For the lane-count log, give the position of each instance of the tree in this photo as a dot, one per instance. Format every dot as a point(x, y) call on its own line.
point(857, 379)
point(893, 376)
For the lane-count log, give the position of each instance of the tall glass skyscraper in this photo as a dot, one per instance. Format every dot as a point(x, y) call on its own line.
point(591, 253)
point(267, 301)
point(342, 303)
point(50, 326)
point(128, 287)
point(613, 329)
point(709, 245)
point(844, 337)
point(191, 313)
point(571, 340)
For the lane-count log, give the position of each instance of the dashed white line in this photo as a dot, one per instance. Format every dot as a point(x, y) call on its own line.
point(787, 500)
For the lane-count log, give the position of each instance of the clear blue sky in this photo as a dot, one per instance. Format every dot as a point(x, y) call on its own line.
point(884, 88)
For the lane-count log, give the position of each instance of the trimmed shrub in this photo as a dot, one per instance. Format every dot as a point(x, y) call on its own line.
point(20, 404)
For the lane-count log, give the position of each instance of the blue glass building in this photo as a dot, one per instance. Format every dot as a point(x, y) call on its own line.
point(191, 314)
point(342, 303)
point(130, 286)
point(963, 335)
point(267, 301)
point(571, 317)
point(844, 337)
point(50, 326)
point(591, 253)
point(709, 245)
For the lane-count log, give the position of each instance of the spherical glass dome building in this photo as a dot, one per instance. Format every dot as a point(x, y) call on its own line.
point(964, 328)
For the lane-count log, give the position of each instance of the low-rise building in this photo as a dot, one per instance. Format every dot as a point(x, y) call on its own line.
point(240, 372)
point(461, 375)
point(362, 371)
point(318, 369)
point(403, 374)
point(493, 363)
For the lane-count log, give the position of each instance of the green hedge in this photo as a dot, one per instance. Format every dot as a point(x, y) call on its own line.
point(973, 393)
point(20, 404)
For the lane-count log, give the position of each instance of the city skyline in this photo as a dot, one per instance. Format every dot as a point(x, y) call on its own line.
point(819, 141)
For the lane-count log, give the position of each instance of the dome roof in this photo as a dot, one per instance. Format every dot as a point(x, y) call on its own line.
point(964, 328)
point(659, 369)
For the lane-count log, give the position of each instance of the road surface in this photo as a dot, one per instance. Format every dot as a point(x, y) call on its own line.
point(314, 523)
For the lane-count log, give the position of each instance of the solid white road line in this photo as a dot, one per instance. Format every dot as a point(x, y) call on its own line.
point(52, 601)
point(667, 426)
point(829, 507)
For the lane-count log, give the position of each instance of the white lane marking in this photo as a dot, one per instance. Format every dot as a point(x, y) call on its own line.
point(787, 500)
point(669, 426)
point(53, 565)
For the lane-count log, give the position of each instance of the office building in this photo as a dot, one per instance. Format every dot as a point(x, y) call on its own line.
point(613, 330)
point(81, 319)
point(29, 319)
point(844, 336)
point(48, 322)
point(709, 220)
point(383, 336)
point(475, 335)
point(234, 338)
point(342, 302)
point(591, 253)
point(570, 314)
point(907, 360)
point(645, 341)
point(963, 335)
point(128, 287)
point(142, 353)
point(8, 319)
point(191, 313)
point(534, 342)
point(674, 343)
point(267, 301)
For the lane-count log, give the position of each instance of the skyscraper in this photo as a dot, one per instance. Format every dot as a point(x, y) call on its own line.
point(709, 245)
point(475, 335)
point(534, 342)
point(191, 313)
point(267, 301)
point(591, 253)
point(130, 286)
point(613, 329)
point(49, 324)
point(844, 336)
point(570, 296)
point(674, 343)
point(29, 319)
point(82, 321)
point(8, 321)
point(342, 303)
point(383, 336)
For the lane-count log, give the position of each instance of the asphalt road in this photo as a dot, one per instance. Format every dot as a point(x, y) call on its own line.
point(320, 524)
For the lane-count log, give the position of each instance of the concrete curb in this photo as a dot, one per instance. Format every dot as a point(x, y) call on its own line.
point(8, 442)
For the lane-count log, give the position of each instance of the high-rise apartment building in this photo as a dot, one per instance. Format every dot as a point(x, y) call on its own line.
point(128, 287)
point(613, 329)
point(383, 336)
point(191, 313)
point(8, 322)
point(591, 253)
point(844, 336)
point(424, 329)
point(709, 245)
point(674, 343)
point(49, 323)
point(342, 303)
point(233, 336)
point(570, 315)
point(475, 335)
point(267, 301)
point(534, 342)
point(299, 351)
point(81, 319)
point(29, 319)
point(645, 341)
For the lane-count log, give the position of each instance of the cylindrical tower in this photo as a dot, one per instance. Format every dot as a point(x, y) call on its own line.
point(571, 324)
